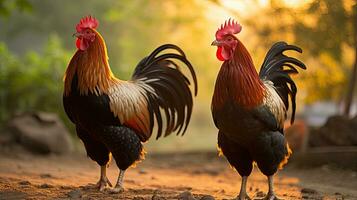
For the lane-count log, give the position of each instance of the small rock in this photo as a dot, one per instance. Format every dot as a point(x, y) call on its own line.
point(337, 193)
point(75, 194)
point(89, 186)
point(250, 188)
point(130, 181)
point(24, 183)
point(325, 168)
point(207, 197)
point(186, 196)
point(260, 194)
point(212, 172)
point(45, 185)
point(157, 197)
point(340, 198)
point(138, 198)
point(45, 175)
point(308, 191)
point(11, 194)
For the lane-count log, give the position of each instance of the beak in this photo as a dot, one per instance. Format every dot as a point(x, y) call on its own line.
point(76, 34)
point(216, 43)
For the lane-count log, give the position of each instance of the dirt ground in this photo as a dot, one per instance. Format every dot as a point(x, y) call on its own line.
point(162, 176)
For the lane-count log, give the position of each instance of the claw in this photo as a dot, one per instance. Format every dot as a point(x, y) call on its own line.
point(271, 196)
point(119, 186)
point(243, 197)
point(116, 190)
point(103, 184)
point(243, 194)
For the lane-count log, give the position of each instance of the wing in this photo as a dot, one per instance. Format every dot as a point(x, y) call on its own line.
point(272, 113)
point(128, 102)
point(275, 104)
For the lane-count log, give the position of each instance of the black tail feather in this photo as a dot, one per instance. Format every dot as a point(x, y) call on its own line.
point(171, 92)
point(277, 68)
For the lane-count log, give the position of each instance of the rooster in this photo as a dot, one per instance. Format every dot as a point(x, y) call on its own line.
point(113, 116)
point(249, 109)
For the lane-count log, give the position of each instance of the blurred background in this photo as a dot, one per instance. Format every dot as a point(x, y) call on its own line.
point(36, 45)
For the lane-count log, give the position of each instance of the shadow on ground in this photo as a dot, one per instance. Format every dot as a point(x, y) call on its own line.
point(162, 176)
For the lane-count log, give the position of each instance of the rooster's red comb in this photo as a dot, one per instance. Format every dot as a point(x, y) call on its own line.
point(229, 27)
point(87, 22)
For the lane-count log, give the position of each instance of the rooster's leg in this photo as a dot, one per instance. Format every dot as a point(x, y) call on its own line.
point(126, 148)
point(119, 186)
point(243, 192)
point(271, 195)
point(103, 182)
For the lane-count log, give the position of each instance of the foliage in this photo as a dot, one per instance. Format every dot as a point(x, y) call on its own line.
point(324, 30)
point(7, 6)
point(33, 81)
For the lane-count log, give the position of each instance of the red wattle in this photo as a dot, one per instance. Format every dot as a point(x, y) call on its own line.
point(219, 54)
point(78, 43)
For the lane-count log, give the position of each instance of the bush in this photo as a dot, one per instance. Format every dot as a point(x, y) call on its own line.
point(32, 81)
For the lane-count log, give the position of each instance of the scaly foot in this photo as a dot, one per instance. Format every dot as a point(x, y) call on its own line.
point(116, 190)
point(271, 195)
point(103, 183)
point(243, 194)
point(119, 186)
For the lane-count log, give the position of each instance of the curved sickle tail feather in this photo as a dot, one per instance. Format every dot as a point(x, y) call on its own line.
point(277, 68)
point(167, 89)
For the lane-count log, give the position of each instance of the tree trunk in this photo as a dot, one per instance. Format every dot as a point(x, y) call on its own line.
point(352, 83)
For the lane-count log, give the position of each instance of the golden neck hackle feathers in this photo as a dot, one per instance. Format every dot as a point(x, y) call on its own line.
point(92, 68)
point(238, 80)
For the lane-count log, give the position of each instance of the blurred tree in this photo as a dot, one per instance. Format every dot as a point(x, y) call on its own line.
point(324, 29)
point(8, 6)
point(24, 31)
point(155, 22)
point(353, 79)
